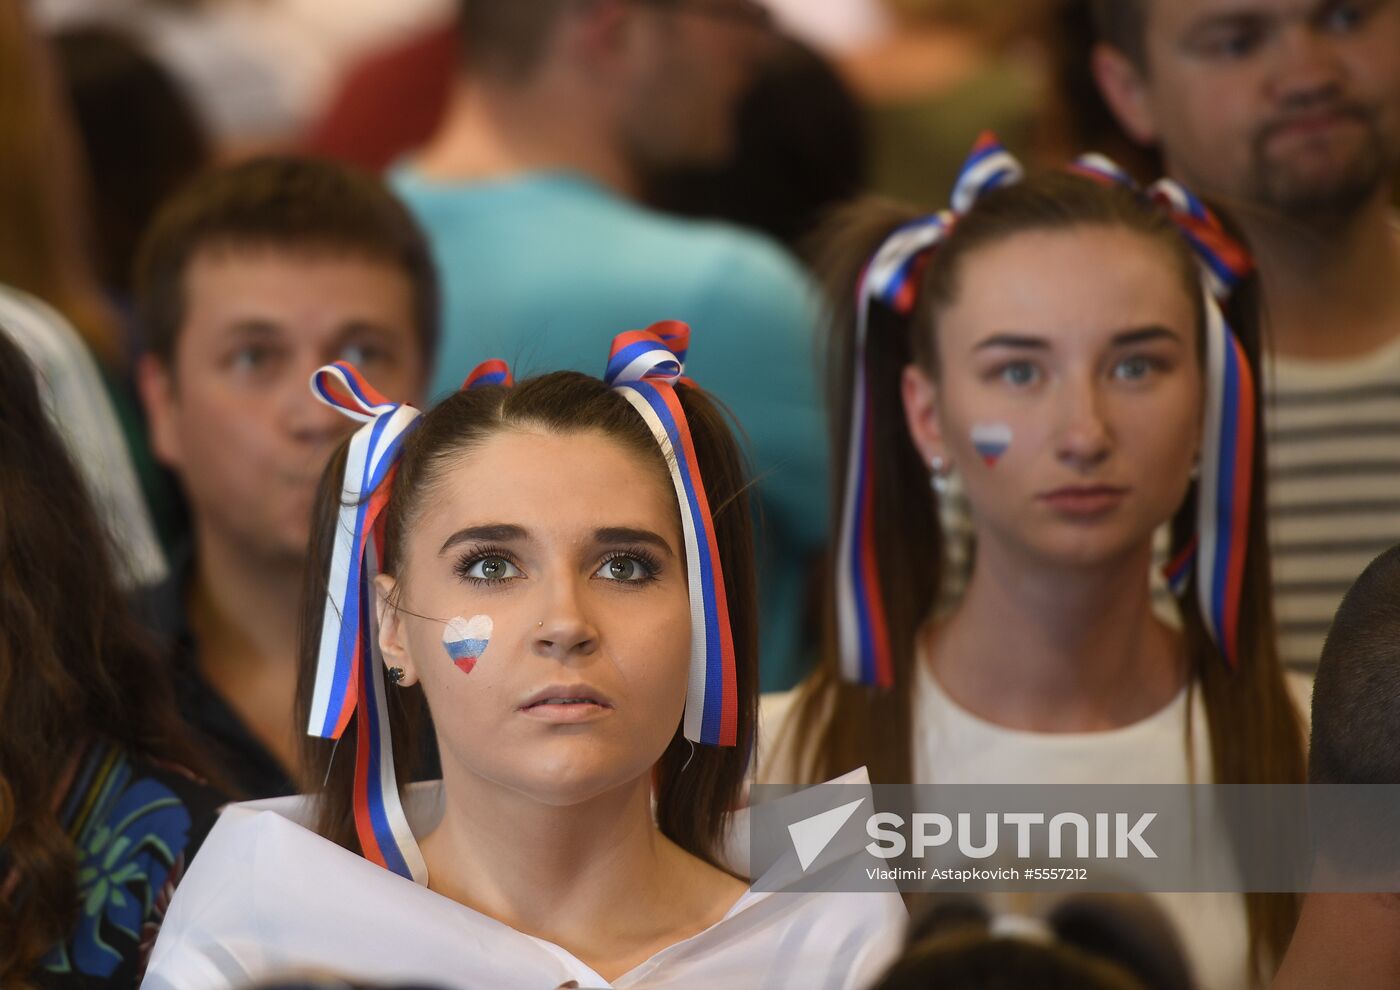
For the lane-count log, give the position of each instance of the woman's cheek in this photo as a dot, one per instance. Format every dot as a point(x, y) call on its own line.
point(465, 641)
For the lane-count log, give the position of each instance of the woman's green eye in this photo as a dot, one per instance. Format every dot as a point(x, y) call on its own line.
point(626, 569)
point(492, 569)
point(1019, 373)
point(1133, 368)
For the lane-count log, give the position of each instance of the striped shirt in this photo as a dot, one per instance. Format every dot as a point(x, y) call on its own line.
point(1333, 434)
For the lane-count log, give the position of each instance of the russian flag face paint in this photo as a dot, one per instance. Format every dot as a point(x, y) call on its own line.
point(991, 441)
point(465, 640)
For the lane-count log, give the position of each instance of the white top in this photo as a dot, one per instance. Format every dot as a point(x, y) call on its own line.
point(77, 404)
point(266, 896)
point(954, 746)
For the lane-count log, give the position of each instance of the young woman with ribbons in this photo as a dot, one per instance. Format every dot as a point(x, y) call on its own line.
point(514, 561)
point(1060, 343)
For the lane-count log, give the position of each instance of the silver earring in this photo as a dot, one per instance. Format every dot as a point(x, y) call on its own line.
point(396, 675)
point(1196, 471)
point(938, 475)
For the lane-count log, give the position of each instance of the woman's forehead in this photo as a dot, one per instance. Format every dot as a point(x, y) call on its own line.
point(555, 483)
point(1067, 286)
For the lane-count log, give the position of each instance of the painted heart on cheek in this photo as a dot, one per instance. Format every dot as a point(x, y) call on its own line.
point(991, 441)
point(465, 640)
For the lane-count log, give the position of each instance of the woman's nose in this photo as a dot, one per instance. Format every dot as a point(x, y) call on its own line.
point(1084, 438)
point(564, 629)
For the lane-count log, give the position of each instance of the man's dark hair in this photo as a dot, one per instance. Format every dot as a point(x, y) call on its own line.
point(1122, 24)
point(284, 203)
point(1356, 698)
point(506, 39)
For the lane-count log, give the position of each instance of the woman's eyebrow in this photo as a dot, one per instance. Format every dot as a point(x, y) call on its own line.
point(628, 534)
point(490, 533)
point(1144, 335)
point(1014, 340)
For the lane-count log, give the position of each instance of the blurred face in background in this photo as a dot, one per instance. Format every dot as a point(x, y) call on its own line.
point(1292, 105)
point(1078, 349)
point(690, 62)
point(234, 417)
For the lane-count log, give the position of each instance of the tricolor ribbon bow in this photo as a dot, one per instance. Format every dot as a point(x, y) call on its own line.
point(1227, 454)
point(645, 366)
point(349, 666)
point(891, 278)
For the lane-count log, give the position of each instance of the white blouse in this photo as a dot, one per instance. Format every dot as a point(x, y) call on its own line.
point(267, 897)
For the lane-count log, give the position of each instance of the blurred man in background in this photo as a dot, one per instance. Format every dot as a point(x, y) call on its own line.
point(1287, 114)
point(250, 279)
point(527, 193)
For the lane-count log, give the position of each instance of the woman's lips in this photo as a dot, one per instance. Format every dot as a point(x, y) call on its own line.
point(566, 703)
point(1084, 501)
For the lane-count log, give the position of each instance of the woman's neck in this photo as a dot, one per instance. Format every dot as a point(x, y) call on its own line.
point(1045, 649)
point(553, 870)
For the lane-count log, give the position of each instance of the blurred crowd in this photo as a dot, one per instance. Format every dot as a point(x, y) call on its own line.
point(202, 202)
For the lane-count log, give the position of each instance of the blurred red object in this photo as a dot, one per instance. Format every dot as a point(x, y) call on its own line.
point(390, 102)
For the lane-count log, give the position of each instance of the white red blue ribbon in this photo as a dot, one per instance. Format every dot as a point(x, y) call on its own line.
point(645, 366)
point(1218, 550)
point(349, 667)
point(1227, 455)
point(891, 278)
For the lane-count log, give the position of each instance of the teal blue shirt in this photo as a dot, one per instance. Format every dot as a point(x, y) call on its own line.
point(544, 269)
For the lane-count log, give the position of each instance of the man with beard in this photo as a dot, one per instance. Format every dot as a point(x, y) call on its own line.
point(1287, 114)
point(529, 196)
point(248, 281)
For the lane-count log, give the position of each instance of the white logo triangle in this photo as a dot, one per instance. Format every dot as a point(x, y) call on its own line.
point(811, 835)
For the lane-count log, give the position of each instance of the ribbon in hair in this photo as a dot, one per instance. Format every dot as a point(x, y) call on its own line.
point(891, 279)
point(349, 666)
point(645, 366)
point(349, 669)
point(493, 372)
point(1217, 553)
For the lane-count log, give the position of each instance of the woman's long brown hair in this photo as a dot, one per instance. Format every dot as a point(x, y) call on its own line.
point(697, 787)
point(45, 246)
point(74, 667)
point(1255, 733)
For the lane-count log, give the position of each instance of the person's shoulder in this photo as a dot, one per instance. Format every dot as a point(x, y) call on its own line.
point(723, 250)
point(156, 797)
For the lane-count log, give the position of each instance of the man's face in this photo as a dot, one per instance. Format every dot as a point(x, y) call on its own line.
point(234, 417)
point(691, 61)
point(1291, 105)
